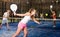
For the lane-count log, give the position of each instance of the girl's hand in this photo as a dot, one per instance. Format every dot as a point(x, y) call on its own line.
point(14, 13)
point(38, 22)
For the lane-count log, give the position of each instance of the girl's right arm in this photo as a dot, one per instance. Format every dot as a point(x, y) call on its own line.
point(26, 14)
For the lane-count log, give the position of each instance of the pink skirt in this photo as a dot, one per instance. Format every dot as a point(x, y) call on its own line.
point(21, 25)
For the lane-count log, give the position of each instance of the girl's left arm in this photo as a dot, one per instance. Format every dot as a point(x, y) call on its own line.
point(35, 20)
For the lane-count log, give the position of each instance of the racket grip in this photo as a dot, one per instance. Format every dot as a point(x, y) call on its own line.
point(14, 13)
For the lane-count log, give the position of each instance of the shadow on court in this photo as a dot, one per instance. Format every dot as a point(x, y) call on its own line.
point(45, 29)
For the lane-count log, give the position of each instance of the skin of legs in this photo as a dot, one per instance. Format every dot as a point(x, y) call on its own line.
point(54, 23)
point(19, 30)
point(0, 26)
point(8, 26)
point(25, 32)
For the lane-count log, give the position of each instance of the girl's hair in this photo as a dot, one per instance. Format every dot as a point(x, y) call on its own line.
point(30, 11)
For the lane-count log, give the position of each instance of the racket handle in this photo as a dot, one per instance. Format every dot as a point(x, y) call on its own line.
point(14, 13)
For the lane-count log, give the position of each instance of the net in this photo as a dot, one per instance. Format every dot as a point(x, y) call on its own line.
point(18, 19)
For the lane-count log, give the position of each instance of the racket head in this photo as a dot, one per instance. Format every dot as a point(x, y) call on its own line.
point(13, 7)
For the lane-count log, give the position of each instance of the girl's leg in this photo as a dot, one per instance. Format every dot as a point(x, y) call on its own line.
point(25, 32)
point(0, 26)
point(54, 23)
point(8, 26)
point(17, 32)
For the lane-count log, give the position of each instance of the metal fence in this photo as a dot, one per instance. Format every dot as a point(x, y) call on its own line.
point(42, 6)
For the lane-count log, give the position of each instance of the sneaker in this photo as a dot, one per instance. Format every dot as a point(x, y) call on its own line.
point(54, 26)
point(8, 29)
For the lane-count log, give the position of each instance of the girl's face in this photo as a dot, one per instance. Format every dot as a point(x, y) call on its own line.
point(8, 11)
point(33, 12)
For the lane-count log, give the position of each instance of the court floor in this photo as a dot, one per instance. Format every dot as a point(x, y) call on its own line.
point(45, 29)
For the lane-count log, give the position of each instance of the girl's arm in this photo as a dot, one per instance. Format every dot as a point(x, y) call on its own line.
point(35, 20)
point(20, 14)
point(26, 14)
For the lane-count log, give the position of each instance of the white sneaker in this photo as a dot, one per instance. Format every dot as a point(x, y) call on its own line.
point(54, 26)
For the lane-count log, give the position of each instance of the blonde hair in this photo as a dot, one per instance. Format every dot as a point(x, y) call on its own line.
point(30, 11)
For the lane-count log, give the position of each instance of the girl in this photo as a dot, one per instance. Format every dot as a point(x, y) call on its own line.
point(5, 19)
point(22, 24)
point(54, 18)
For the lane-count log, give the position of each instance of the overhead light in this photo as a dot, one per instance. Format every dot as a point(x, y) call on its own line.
point(57, 1)
point(51, 6)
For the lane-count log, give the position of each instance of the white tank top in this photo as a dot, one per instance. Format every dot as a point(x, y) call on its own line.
point(6, 14)
point(25, 19)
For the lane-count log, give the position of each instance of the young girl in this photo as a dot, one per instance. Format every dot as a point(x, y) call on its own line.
point(54, 18)
point(5, 19)
point(22, 24)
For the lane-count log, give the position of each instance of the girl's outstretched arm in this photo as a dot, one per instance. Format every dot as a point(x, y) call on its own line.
point(25, 14)
point(35, 20)
point(20, 14)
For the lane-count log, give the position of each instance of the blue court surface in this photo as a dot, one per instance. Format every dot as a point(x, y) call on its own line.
point(45, 29)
